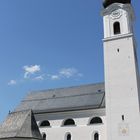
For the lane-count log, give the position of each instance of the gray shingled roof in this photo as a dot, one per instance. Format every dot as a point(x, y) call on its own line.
point(65, 99)
point(20, 125)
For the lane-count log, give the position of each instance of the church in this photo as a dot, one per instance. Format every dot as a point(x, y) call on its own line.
point(102, 111)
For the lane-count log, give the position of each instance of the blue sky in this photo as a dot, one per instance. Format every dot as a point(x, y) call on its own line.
point(49, 44)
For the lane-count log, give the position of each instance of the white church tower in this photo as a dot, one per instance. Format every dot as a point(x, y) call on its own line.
point(121, 71)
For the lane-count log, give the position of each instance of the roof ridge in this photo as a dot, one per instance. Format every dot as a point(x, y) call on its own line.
point(64, 96)
point(67, 87)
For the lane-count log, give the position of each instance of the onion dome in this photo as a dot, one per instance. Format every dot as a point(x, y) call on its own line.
point(106, 3)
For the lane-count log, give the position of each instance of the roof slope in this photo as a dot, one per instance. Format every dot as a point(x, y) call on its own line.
point(20, 124)
point(65, 99)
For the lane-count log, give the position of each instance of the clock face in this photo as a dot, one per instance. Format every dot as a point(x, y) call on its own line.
point(123, 129)
point(116, 14)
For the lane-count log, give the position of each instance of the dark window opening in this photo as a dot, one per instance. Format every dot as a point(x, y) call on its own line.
point(44, 136)
point(99, 90)
point(116, 27)
point(123, 117)
point(68, 137)
point(96, 120)
point(44, 123)
point(69, 122)
point(118, 50)
point(96, 136)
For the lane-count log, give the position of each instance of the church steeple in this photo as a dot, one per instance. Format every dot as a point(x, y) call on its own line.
point(121, 72)
point(118, 18)
point(106, 3)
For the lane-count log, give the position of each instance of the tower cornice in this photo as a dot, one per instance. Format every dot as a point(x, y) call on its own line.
point(116, 6)
point(118, 37)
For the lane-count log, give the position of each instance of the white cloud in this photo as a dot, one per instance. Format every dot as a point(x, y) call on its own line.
point(33, 72)
point(40, 78)
point(68, 72)
point(12, 82)
point(80, 75)
point(29, 70)
point(55, 77)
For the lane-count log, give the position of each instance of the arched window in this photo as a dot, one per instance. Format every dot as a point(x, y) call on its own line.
point(68, 137)
point(45, 123)
point(96, 120)
point(69, 122)
point(116, 27)
point(44, 136)
point(96, 136)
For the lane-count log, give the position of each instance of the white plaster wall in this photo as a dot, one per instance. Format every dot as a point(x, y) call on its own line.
point(82, 130)
point(121, 86)
point(106, 24)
